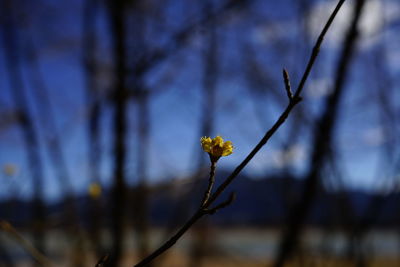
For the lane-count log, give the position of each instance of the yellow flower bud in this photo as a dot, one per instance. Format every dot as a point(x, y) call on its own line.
point(216, 147)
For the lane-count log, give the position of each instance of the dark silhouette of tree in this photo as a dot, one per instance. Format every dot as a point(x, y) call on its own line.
point(95, 103)
point(117, 29)
point(12, 55)
point(322, 146)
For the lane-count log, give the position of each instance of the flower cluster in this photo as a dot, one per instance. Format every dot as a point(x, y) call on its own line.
point(216, 147)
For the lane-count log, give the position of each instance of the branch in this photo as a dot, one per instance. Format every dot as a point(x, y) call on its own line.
point(211, 181)
point(295, 100)
point(286, 112)
point(322, 145)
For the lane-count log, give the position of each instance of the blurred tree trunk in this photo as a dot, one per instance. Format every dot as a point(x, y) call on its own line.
point(94, 103)
point(387, 97)
point(54, 147)
point(117, 24)
point(210, 78)
point(12, 57)
point(322, 145)
point(141, 197)
point(357, 231)
point(140, 14)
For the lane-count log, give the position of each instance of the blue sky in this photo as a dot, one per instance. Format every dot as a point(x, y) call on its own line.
point(241, 117)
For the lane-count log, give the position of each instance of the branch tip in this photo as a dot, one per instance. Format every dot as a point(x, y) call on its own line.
point(286, 80)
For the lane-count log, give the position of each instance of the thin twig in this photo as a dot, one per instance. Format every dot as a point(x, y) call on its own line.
point(316, 48)
point(294, 101)
point(102, 261)
point(231, 198)
point(199, 213)
point(36, 254)
point(211, 181)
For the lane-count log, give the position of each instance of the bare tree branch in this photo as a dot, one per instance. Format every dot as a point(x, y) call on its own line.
point(322, 143)
point(294, 101)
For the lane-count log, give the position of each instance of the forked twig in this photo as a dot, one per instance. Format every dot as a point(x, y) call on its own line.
point(293, 101)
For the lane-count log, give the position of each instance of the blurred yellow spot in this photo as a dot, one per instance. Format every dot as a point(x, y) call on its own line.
point(94, 190)
point(216, 147)
point(9, 169)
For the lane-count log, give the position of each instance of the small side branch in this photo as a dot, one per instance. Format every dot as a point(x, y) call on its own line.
point(292, 98)
point(287, 84)
point(231, 198)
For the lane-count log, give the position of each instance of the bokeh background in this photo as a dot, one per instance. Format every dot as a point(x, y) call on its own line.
point(103, 103)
